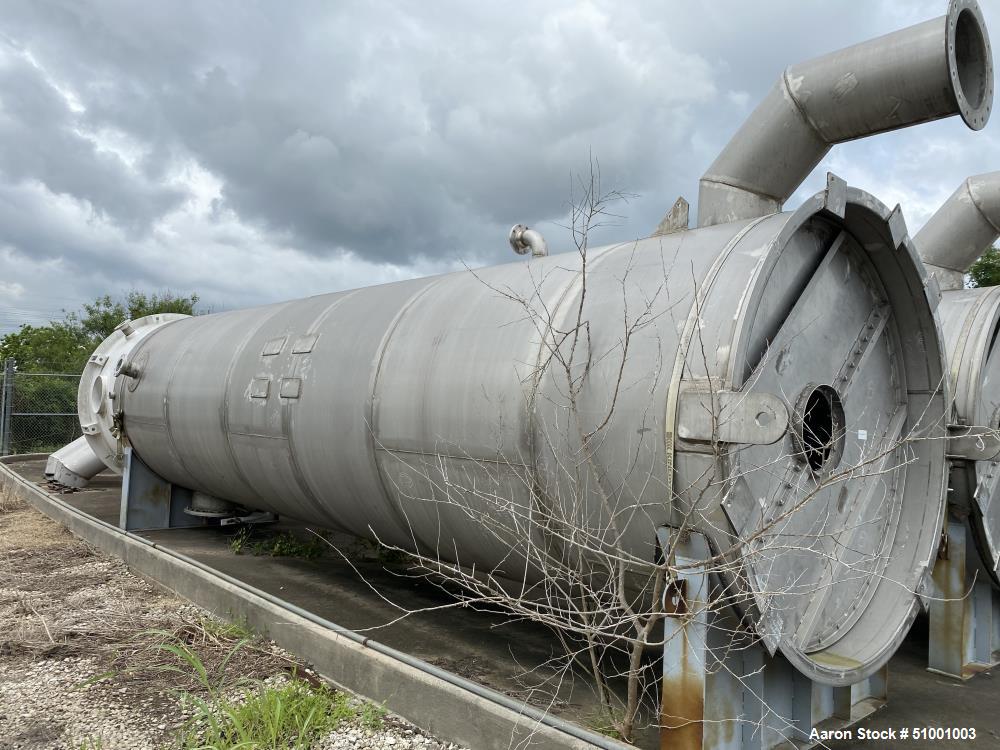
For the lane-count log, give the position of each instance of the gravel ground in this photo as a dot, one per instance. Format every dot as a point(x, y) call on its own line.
point(80, 666)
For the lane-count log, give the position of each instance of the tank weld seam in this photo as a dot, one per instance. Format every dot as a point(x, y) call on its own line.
point(977, 202)
point(560, 311)
point(439, 454)
point(959, 356)
point(224, 412)
point(680, 359)
point(258, 435)
point(168, 432)
point(803, 113)
point(393, 502)
point(287, 416)
point(740, 185)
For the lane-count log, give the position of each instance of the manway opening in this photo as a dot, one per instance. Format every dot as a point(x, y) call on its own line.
point(821, 427)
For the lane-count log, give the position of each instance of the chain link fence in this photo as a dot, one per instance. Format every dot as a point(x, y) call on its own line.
point(37, 410)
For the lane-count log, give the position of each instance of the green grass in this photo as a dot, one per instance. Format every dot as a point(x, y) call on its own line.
point(239, 541)
point(367, 549)
point(600, 722)
point(285, 544)
point(92, 743)
point(249, 714)
point(293, 715)
point(371, 716)
point(223, 630)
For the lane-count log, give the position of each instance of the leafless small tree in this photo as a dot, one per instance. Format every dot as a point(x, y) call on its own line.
point(572, 565)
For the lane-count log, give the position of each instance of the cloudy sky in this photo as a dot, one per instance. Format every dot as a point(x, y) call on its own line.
point(258, 151)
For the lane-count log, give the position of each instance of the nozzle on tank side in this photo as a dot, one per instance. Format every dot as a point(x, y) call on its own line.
point(524, 240)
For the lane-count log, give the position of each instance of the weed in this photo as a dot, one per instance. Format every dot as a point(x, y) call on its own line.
point(242, 713)
point(223, 630)
point(293, 715)
point(92, 743)
point(366, 549)
point(287, 544)
point(600, 722)
point(238, 542)
point(190, 664)
point(371, 716)
point(9, 502)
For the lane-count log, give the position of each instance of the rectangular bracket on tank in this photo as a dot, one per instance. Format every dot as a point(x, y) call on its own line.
point(835, 200)
point(897, 227)
point(150, 502)
point(730, 416)
point(290, 387)
point(260, 387)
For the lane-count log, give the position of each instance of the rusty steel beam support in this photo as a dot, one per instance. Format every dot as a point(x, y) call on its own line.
point(685, 645)
point(965, 612)
point(721, 689)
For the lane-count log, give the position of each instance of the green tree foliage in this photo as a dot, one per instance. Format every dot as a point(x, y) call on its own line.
point(57, 347)
point(64, 346)
point(986, 270)
point(99, 318)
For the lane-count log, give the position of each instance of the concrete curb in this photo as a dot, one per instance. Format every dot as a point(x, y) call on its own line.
point(446, 710)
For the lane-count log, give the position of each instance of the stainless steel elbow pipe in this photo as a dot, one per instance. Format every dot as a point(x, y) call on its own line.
point(967, 224)
point(929, 71)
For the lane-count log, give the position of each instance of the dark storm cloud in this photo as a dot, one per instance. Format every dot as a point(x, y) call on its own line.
point(371, 129)
point(39, 142)
point(349, 143)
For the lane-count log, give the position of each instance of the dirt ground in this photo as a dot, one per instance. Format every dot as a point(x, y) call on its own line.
point(81, 657)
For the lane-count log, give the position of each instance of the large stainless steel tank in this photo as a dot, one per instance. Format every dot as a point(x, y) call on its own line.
point(775, 398)
point(957, 234)
point(360, 409)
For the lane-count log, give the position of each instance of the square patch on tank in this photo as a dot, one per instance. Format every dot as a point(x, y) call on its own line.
point(273, 347)
point(304, 344)
point(290, 387)
point(260, 387)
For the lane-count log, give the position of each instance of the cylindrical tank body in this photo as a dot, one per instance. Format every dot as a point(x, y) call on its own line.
point(418, 411)
point(970, 320)
point(949, 243)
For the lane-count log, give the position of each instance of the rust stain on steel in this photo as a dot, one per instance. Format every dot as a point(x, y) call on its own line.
point(682, 702)
point(948, 629)
point(682, 706)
